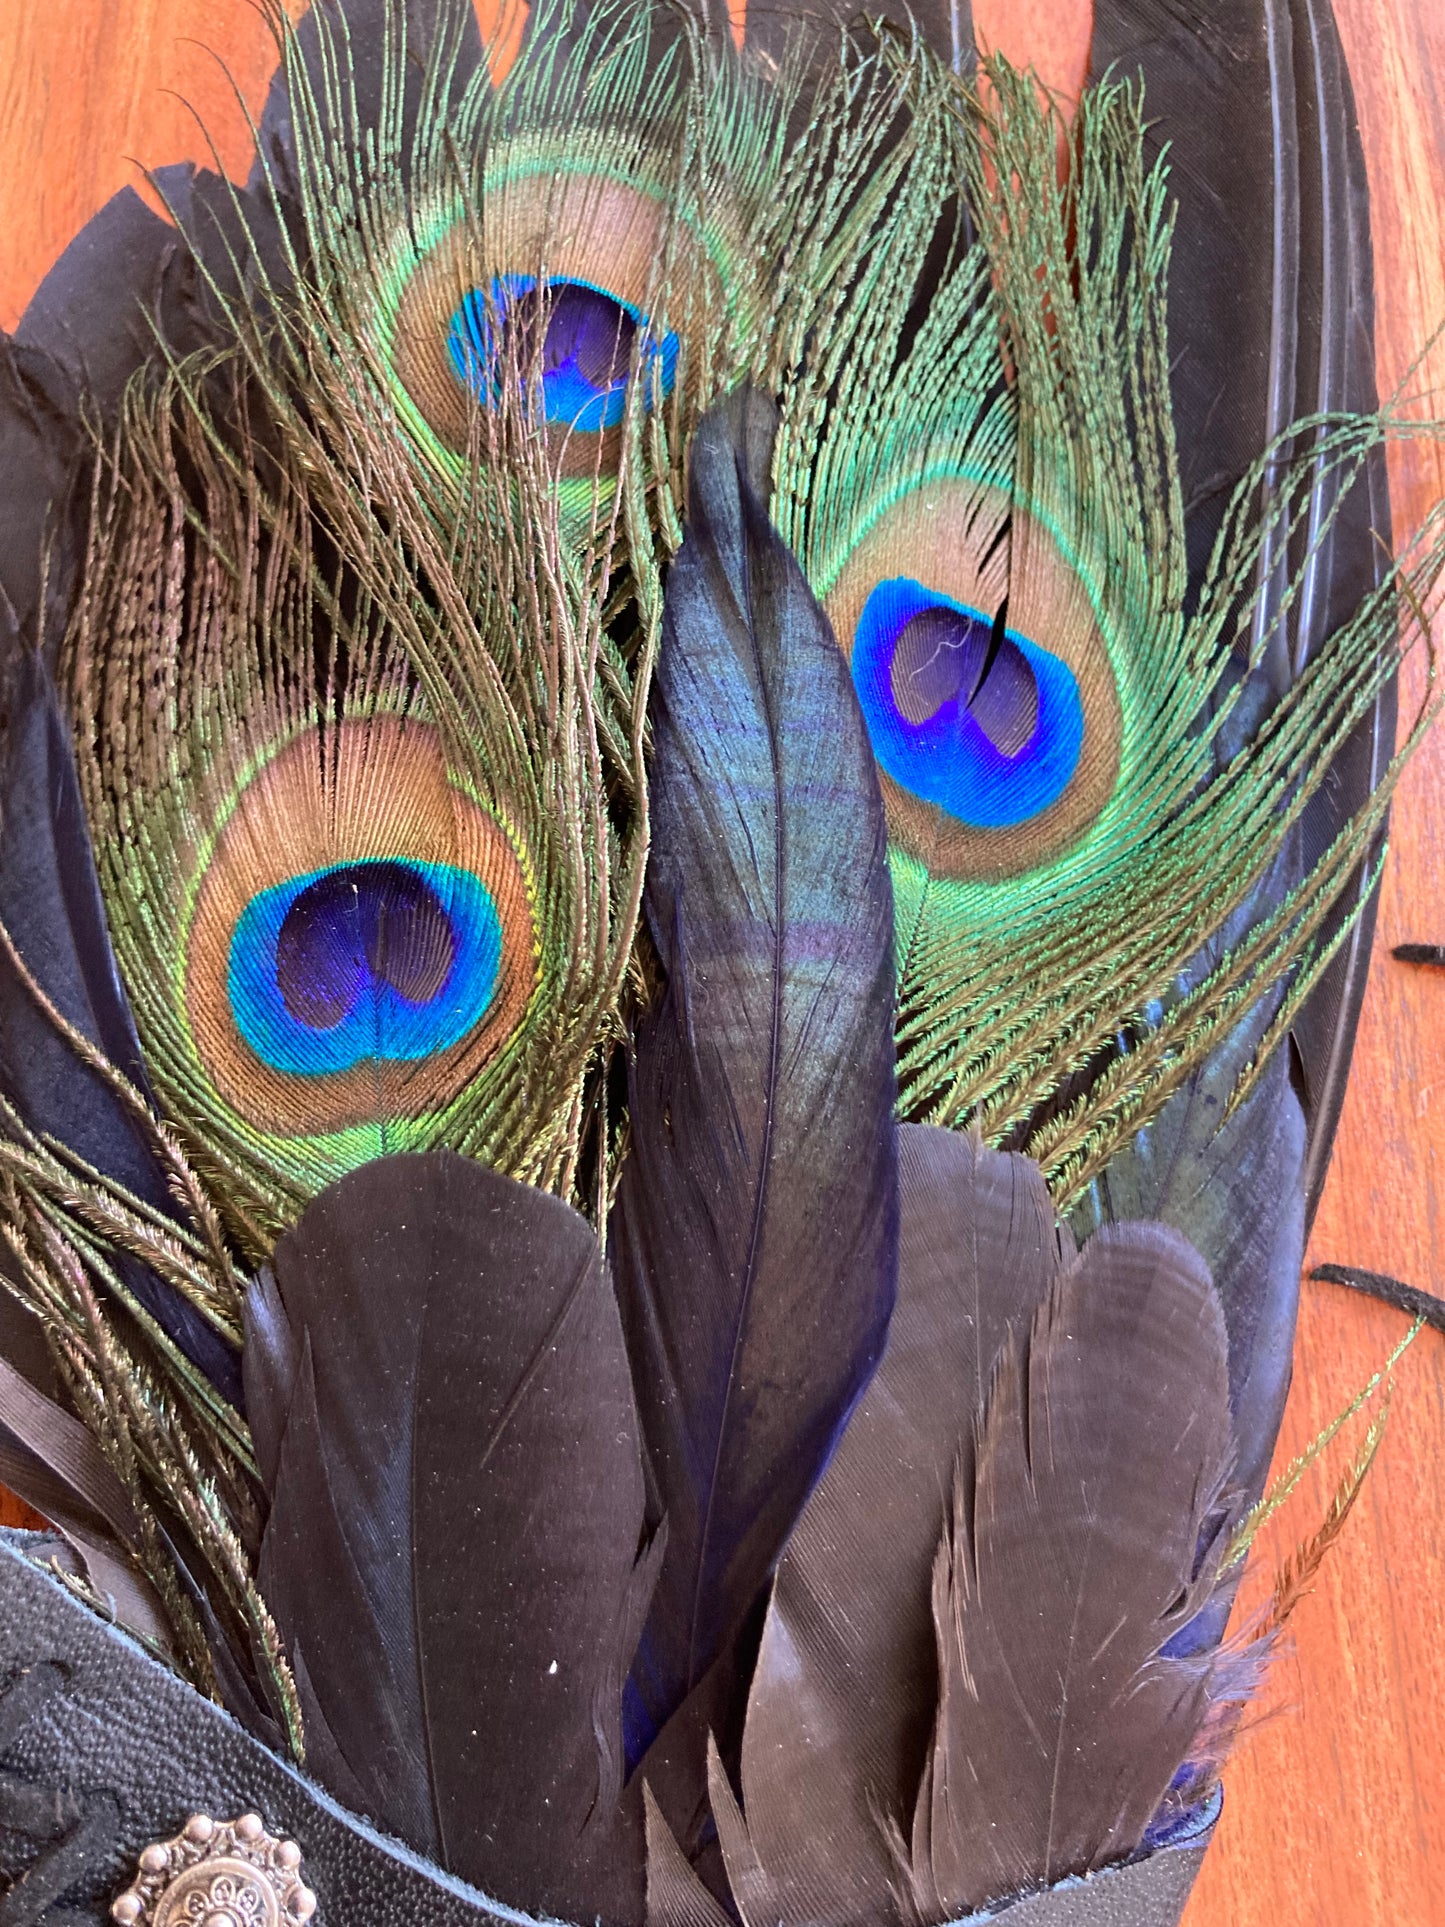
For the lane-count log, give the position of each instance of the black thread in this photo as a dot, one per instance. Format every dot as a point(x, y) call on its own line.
point(1390, 1291)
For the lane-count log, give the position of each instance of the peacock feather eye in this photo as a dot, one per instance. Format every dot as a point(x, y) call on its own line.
point(380, 959)
point(536, 302)
point(367, 846)
point(989, 694)
point(581, 338)
point(559, 283)
point(361, 941)
point(1065, 717)
point(961, 711)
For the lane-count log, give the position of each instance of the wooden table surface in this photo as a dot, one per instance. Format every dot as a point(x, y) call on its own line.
point(1335, 1804)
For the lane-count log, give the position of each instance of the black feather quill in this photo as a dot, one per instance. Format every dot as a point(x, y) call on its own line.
point(754, 1236)
point(452, 1554)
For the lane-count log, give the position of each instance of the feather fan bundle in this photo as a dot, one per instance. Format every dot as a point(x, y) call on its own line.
point(686, 548)
point(1039, 1461)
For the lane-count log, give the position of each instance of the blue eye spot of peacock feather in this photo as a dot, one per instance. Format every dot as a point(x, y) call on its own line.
point(962, 711)
point(587, 350)
point(384, 959)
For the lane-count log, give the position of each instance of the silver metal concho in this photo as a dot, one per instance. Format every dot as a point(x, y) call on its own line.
point(218, 1873)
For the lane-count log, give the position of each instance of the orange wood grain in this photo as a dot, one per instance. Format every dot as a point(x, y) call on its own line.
point(1335, 1811)
point(14, 1512)
point(95, 92)
point(89, 90)
point(1051, 36)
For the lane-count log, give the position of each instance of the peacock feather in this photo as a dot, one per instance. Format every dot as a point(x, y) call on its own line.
point(996, 529)
point(354, 913)
point(559, 273)
point(371, 607)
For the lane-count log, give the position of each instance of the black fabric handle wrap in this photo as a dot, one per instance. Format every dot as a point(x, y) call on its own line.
point(103, 1751)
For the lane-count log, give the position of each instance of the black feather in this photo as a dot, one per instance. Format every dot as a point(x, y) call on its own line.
point(755, 1231)
point(1237, 1192)
point(1270, 318)
point(1351, 558)
point(124, 281)
point(452, 1553)
point(675, 1895)
point(50, 908)
point(270, 1364)
point(41, 441)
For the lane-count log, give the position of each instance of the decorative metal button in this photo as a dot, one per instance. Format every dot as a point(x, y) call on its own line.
point(218, 1873)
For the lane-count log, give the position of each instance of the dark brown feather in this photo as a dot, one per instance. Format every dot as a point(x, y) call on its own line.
point(452, 1554)
point(1073, 1555)
point(675, 1895)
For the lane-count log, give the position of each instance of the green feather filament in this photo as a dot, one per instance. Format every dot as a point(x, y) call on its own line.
point(182, 1457)
point(344, 569)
